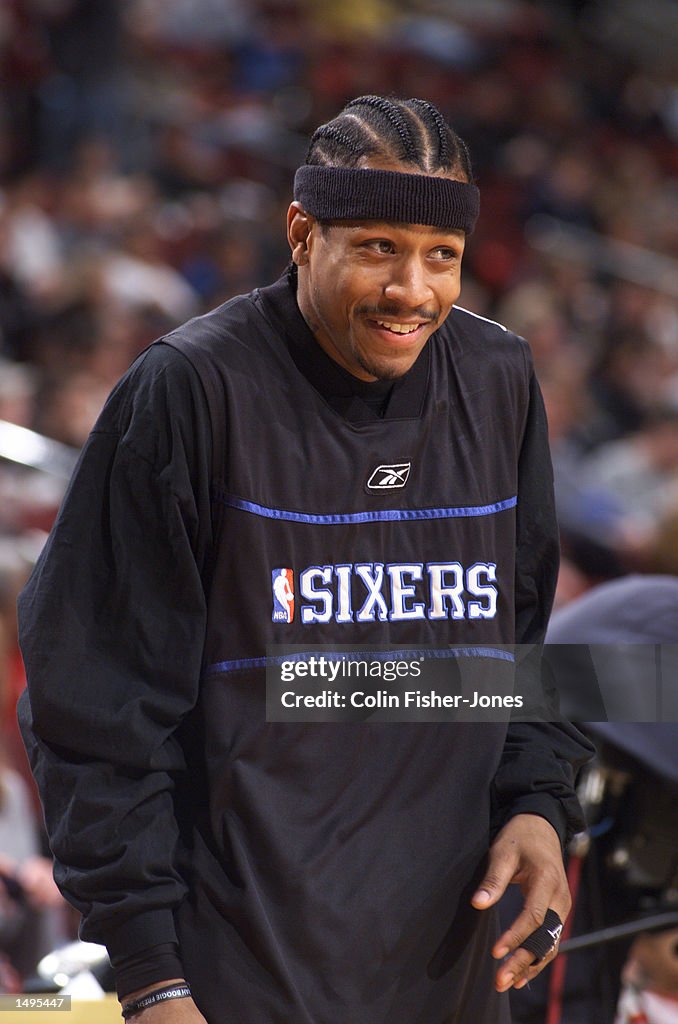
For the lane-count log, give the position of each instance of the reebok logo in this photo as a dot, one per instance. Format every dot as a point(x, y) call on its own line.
point(388, 478)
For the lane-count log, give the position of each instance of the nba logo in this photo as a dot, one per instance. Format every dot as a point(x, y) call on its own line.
point(282, 581)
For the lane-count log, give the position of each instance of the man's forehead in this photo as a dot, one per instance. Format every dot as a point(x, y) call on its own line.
point(386, 227)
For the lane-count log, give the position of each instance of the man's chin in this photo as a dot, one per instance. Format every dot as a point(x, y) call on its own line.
point(390, 363)
point(387, 370)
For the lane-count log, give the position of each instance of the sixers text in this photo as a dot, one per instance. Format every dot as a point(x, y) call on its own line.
point(369, 591)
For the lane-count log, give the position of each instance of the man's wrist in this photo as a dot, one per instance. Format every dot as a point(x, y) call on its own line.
point(136, 1002)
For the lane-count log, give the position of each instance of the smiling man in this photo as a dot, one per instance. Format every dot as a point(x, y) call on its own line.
point(342, 458)
point(374, 291)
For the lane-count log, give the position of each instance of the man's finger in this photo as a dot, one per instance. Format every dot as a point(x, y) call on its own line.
point(520, 969)
point(500, 873)
point(528, 921)
point(544, 889)
point(534, 952)
point(544, 939)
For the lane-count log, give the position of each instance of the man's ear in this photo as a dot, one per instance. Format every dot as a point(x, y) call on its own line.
point(299, 224)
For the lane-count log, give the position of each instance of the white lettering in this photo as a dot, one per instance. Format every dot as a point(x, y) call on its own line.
point(484, 590)
point(321, 609)
point(375, 598)
point(445, 593)
point(344, 609)
point(400, 592)
point(453, 592)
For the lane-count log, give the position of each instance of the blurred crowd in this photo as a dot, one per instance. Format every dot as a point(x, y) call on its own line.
point(147, 149)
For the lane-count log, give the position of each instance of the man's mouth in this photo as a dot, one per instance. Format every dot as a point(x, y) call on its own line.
point(396, 328)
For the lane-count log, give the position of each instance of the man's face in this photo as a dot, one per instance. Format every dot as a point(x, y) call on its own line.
point(373, 293)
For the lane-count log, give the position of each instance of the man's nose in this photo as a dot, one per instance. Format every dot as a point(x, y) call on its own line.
point(409, 284)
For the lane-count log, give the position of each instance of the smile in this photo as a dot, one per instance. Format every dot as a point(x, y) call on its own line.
point(399, 328)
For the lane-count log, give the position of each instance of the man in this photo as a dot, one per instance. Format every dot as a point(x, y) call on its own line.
point(292, 872)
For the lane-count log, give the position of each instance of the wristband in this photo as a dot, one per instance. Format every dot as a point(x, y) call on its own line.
point(160, 995)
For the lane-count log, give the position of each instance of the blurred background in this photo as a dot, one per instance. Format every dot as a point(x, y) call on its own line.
point(147, 149)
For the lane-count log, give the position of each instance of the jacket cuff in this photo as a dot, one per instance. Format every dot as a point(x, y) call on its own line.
point(141, 970)
point(536, 803)
point(136, 934)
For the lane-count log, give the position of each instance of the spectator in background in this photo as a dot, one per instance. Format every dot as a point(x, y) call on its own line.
point(83, 95)
point(33, 914)
point(67, 406)
point(662, 552)
point(637, 476)
point(632, 378)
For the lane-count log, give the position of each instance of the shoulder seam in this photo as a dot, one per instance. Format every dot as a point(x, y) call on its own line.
point(487, 320)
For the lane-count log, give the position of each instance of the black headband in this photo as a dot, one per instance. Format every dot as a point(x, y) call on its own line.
point(347, 193)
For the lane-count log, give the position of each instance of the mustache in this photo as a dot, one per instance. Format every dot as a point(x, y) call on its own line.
point(392, 313)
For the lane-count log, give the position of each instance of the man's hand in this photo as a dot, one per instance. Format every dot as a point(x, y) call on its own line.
point(173, 1011)
point(526, 852)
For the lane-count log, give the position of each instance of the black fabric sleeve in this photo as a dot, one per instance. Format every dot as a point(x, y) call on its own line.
point(112, 625)
point(541, 759)
point(149, 967)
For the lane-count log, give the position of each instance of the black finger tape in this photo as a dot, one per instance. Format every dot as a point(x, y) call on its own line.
point(544, 939)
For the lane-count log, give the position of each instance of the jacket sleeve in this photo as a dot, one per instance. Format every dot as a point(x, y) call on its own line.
point(112, 624)
point(541, 759)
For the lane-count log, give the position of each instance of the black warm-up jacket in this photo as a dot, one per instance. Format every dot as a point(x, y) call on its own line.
point(303, 873)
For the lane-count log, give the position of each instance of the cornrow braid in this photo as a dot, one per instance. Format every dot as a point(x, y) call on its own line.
point(331, 131)
point(439, 122)
point(380, 159)
point(412, 132)
point(393, 114)
point(464, 156)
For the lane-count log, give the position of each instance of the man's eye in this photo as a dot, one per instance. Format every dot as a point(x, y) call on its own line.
point(443, 253)
point(380, 245)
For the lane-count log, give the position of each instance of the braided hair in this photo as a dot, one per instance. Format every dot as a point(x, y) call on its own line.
point(412, 132)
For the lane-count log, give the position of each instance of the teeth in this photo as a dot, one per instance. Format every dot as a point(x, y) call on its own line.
point(399, 328)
